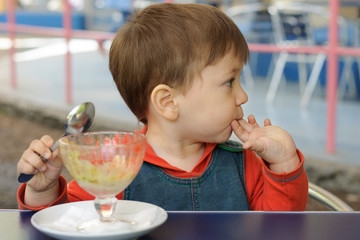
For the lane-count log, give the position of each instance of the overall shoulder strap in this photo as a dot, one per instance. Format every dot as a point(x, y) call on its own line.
point(231, 146)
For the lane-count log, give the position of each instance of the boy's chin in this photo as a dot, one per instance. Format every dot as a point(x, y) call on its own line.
point(223, 138)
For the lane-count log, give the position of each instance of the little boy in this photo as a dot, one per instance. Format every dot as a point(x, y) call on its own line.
point(177, 67)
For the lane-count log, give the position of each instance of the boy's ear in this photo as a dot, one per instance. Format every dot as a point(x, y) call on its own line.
point(163, 101)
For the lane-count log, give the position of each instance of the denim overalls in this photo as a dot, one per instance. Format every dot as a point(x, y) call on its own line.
point(220, 187)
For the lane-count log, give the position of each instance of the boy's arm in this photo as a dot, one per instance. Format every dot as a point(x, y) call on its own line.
point(62, 196)
point(71, 192)
point(270, 191)
point(276, 180)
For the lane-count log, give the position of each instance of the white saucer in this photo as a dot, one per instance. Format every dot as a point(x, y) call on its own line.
point(47, 220)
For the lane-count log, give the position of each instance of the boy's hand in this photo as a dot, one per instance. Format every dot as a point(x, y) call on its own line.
point(46, 173)
point(271, 143)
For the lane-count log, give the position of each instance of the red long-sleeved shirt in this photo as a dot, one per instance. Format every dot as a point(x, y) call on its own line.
point(266, 190)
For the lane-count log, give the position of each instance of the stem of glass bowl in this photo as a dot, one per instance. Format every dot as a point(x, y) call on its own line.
point(105, 206)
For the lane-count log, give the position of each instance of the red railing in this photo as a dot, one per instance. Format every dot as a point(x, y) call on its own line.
point(67, 33)
point(332, 70)
point(11, 29)
point(333, 50)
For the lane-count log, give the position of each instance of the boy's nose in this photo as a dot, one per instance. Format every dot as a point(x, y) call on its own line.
point(241, 96)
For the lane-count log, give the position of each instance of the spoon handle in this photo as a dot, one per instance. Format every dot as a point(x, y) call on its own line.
point(55, 146)
point(23, 178)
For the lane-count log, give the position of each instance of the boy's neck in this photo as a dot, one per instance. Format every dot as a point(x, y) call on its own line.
point(181, 153)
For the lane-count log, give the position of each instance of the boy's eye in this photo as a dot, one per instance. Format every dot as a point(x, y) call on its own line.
point(230, 82)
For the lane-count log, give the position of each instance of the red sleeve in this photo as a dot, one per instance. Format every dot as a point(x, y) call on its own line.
point(269, 191)
point(76, 193)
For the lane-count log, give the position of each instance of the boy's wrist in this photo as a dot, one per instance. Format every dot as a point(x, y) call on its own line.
point(287, 166)
point(35, 198)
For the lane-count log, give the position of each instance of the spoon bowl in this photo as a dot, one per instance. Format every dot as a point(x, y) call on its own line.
point(78, 120)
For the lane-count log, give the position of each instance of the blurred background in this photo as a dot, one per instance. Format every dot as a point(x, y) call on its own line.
point(302, 75)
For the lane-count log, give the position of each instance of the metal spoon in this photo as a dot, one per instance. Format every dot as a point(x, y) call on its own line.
point(78, 121)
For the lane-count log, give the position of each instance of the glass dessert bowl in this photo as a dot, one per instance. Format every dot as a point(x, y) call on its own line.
point(103, 164)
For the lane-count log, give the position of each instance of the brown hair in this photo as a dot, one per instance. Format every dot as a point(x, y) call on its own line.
point(169, 44)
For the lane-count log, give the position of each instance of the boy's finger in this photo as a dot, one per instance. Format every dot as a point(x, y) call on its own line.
point(47, 140)
point(39, 147)
point(245, 125)
point(239, 131)
point(32, 158)
point(54, 161)
point(27, 163)
point(267, 122)
point(256, 146)
point(27, 169)
point(246, 145)
point(251, 119)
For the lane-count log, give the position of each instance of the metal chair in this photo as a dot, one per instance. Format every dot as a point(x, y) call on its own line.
point(254, 22)
point(328, 199)
point(294, 25)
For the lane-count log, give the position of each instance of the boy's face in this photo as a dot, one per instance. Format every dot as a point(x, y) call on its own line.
point(213, 102)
